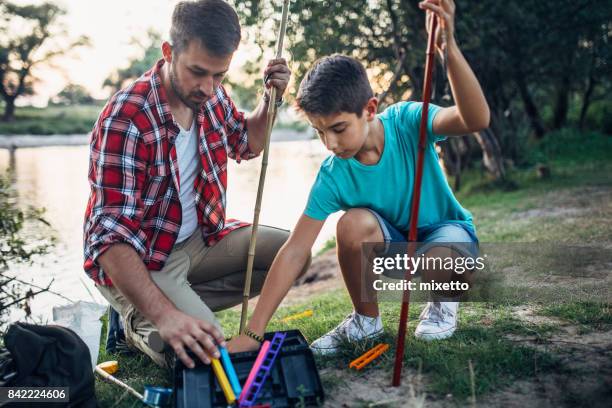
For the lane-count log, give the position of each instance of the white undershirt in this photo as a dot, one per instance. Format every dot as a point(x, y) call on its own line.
point(189, 165)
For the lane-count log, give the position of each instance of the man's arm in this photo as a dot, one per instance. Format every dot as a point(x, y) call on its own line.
point(130, 275)
point(471, 111)
point(279, 78)
point(285, 269)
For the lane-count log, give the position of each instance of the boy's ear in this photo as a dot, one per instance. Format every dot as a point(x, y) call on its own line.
point(371, 108)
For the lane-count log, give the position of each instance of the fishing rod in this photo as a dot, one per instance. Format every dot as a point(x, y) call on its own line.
point(262, 174)
point(416, 198)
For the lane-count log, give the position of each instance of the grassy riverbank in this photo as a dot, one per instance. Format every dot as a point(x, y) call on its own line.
point(530, 353)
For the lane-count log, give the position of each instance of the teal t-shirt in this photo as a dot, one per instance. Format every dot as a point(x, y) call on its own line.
point(386, 187)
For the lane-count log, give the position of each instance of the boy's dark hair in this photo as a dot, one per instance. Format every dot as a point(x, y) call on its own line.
point(212, 22)
point(336, 83)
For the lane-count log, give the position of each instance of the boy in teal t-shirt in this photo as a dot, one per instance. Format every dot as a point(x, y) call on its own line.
point(370, 176)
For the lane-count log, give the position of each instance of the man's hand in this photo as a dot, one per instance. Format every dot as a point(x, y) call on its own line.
point(242, 343)
point(445, 10)
point(182, 331)
point(277, 74)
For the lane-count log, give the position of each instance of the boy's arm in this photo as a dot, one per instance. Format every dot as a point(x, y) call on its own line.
point(285, 269)
point(471, 111)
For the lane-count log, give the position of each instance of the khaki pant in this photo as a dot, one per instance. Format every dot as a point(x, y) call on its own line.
point(200, 280)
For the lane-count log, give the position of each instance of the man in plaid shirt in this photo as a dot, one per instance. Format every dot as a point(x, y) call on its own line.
point(156, 240)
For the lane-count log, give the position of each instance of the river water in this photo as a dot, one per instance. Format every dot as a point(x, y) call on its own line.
point(55, 178)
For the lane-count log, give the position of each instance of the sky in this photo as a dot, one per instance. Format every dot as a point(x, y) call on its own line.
point(110, 25)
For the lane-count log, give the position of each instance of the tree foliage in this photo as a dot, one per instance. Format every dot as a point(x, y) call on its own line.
point(536, 60)
point(73, 94)
point(149, 53)
point(30, 36)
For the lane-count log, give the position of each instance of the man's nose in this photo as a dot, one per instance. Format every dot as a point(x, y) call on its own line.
point(207, 86)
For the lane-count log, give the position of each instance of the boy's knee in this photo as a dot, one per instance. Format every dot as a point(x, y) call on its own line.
point(357, 225)
point(436, 257)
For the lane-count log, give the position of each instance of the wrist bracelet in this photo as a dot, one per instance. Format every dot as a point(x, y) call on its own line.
point(278, 103)
point(253, 335)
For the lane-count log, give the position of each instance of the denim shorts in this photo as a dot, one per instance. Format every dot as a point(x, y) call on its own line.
point(455, 235)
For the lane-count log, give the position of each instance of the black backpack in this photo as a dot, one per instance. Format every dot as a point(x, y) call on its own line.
point(50, 356)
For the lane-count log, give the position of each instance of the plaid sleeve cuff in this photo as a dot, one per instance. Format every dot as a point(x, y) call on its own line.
point(106, 231)
point(244, 152)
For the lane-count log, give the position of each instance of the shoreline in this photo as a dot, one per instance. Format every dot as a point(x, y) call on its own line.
point(12, 142)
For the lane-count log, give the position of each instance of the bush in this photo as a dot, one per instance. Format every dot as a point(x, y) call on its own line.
point(599, 117)
point(14, 249)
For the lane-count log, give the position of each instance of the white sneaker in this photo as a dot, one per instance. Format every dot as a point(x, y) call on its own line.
point(438, 321)
point(354, 327)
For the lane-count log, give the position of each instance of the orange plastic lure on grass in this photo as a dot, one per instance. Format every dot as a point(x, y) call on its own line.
point(368, 356)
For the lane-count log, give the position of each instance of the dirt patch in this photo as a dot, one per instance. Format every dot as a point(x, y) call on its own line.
point(323, 267)
point(584, 377)
point(373, 388)
point(527, 313)
point(548, 212)
point(322, 275)
point(569, 204)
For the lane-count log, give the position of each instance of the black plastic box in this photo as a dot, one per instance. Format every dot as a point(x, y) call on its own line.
point(293, 381)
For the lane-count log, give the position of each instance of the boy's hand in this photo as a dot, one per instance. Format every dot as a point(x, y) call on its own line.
point(242, 343)
point(277, 74)
point(445, 10)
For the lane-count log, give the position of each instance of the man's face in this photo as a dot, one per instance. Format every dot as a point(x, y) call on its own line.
point(195, 74)
point(342, 133)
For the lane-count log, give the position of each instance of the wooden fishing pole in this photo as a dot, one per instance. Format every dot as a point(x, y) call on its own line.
point(108, 377)
point(416, 198)
point(262, 174)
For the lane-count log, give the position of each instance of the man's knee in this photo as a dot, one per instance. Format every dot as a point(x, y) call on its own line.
point(269, 242)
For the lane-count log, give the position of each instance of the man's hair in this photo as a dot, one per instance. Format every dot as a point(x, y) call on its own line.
point(214, 23)
point(334, 84)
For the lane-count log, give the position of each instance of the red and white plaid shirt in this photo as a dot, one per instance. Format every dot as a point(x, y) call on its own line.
point(134, 176)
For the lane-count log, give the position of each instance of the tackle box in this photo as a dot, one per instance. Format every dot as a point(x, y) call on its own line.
point(293, 380)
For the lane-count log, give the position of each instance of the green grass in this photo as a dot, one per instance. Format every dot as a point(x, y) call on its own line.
point(496, 360)
point(135, 369)
point(595, 314)
point(579, 163)
point(76, 119)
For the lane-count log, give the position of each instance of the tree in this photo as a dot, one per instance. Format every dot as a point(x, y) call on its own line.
point(73, 94)
point(388, 36)
point(150, 53)
point(32, 35)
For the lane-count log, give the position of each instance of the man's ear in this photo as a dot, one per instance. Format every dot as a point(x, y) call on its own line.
point(371, 108)
point(167, 51)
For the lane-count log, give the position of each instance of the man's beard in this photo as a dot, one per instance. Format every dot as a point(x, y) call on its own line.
point(174, 83)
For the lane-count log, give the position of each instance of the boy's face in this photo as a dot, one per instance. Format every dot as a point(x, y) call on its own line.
point(344, 134)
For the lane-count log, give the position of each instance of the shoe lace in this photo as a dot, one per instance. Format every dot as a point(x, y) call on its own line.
point(436, 311)
point(344, 328)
